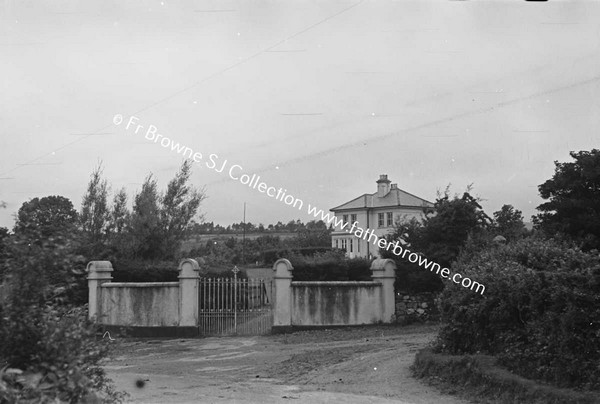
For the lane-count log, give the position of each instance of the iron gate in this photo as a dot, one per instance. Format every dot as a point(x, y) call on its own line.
point(233, 306)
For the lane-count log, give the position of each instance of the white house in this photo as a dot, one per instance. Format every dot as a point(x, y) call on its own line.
point(378, 212)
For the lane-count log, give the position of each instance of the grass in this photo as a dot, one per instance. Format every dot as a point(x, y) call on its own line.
point(477, 377)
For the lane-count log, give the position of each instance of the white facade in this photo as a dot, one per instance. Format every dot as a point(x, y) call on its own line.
point(376, 213)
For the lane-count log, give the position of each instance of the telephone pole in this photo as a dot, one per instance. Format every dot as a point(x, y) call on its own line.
point(244, 237)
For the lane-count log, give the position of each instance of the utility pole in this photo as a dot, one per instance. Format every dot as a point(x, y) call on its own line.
point(244, 237)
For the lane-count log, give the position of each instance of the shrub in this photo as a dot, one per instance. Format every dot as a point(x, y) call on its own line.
point(144, 271)
point(49, 353)
point(271, 255)
point(329, 266)
point(540, 313)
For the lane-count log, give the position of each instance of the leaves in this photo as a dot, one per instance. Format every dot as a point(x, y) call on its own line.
point(573, 195)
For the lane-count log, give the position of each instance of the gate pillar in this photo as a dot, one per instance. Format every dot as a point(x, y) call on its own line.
point(188, 292)
point(282, 310)
point(384, 272)
point(98, 273)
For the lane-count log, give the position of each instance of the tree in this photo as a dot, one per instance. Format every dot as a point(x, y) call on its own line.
point(118, 225)
point(440, 236)
point(119, 214)
point(145, 225)
point(95, 212)
point(446, 228)
point(508, 222)
point(314, 234)
point(46, 229)
point(4, 239)
point(573, 195)
point(179, 206)
point(47, 217)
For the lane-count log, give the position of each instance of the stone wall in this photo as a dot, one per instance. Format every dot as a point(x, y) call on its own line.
point(416, 307)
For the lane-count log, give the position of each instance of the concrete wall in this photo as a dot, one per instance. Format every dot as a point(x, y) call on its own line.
point(152, 308)
point(336, 303)
point(140, 304)
point(309, 304)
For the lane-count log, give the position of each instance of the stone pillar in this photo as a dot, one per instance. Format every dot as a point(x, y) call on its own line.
point(98, 273)
point(384, 272)
point(188, 292)
point(282, 310)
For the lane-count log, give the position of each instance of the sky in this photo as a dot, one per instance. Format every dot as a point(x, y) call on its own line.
point(317, 97)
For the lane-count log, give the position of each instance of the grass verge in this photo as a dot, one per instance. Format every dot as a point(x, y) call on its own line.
point(477, 377)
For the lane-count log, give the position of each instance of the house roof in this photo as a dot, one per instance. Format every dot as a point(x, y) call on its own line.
point(396, 197)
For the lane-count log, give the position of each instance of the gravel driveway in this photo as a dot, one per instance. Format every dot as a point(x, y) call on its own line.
point(358, 365)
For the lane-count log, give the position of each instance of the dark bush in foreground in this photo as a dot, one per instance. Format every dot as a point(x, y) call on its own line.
point(49, 353)
point(540, 313)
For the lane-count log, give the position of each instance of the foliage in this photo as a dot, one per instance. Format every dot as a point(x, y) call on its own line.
point(270, 256)
point(540, 313)
point(52, 351)
point(573, 195)
point(144, 271)
point(440, 236)
point(445, 228)
point(293, 226)
point(508, 222)
point(46, 217)
point(145, 229)
point(480, 376)
point(95, 212)
point(329, 266)
point(154, 229)
point(179, 205)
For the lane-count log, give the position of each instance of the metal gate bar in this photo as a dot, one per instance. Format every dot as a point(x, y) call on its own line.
point(230, 306)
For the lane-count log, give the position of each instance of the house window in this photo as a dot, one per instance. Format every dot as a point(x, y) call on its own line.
point(345, 218)
point(358, 246)
point(353, 217)
point(337, 244)
point(351, 245)
point(343, 244)
point(390, 219)
point(380, 219)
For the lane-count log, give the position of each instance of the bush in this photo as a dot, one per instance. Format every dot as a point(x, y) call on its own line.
point(270, 256)
point(62, 365)
point(540, 313)
point(330, 266)
point(145, 271)
point(49, 352)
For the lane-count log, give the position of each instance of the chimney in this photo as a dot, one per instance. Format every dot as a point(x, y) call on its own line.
point(383, 186)
point(394, 186)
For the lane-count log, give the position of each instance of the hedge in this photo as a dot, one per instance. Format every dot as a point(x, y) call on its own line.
point(540, 313)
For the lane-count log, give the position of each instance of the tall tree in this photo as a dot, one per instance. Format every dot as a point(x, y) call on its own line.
point(145, 224)
point(508, 222)
point(95, 212)
point(179, 206)
point(119, 214)
point(573, 195)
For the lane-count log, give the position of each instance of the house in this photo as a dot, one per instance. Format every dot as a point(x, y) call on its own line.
point(378, 212)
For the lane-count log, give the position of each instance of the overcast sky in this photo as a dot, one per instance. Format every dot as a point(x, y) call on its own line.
point(317, 97)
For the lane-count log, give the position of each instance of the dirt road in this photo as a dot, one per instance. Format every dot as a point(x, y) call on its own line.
point(366, 365)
